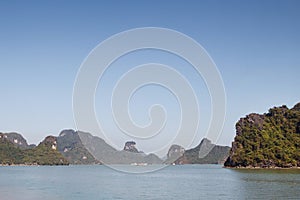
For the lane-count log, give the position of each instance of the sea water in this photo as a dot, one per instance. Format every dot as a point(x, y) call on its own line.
point(172, 182)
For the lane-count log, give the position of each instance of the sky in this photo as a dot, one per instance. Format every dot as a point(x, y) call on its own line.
point(254, 44)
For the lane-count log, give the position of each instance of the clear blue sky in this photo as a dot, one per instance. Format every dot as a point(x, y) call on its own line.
point(255, 45)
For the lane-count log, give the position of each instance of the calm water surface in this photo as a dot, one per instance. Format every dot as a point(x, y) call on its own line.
point(173, 182)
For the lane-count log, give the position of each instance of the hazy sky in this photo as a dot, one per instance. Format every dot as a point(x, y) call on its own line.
point(255, 45)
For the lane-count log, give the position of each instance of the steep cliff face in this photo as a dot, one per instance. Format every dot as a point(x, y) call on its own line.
point(174, 153)
point(267, 140)
point(71, 147)
point(204, 153)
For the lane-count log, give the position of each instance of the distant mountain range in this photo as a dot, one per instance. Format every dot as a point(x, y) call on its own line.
point(77, 147)
point(262, 140)
point(108, 155)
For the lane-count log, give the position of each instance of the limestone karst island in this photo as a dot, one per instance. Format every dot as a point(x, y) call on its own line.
point(270, 140)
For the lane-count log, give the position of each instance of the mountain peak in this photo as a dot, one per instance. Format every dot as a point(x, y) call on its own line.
point(67, 132)
point(17, 139)
point(205, 147)
point(296, 107)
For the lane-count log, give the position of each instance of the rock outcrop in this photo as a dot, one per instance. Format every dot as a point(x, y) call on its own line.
point(130, 146)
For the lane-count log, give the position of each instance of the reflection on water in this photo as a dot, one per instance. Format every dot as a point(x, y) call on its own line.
point(184, 182)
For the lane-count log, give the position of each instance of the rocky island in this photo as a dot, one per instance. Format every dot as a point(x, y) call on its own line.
point(14, 150)
point(77, 147)
point(270, 140)
point(204, 153)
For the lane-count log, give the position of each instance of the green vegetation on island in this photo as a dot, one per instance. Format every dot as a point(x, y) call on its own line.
point(262, 140)
point(9, 153)
point(77, 147)
point(43, 154)
point(268, 140)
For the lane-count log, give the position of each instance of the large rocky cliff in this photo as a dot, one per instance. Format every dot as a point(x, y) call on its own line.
point(267, 140)
point(70, 146)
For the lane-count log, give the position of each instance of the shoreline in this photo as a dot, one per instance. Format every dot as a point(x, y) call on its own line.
point(226, 167)
point(26, 165)
point(267, 168)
